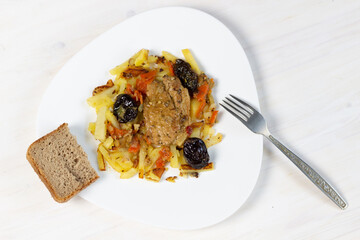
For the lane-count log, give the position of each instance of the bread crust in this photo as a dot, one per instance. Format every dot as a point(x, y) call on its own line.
point(42, 176)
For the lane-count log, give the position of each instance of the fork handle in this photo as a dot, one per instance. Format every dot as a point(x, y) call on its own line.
point(324, 186)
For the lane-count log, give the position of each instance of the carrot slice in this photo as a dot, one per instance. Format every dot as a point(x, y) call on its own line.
point(135, 145)
point(171, 69)
point(202, 92)
point(164, 157)
point(114, 132)
point(128, 89)
point(165, 153)
point(201, 108)
point(144, 80)
point(138, 96)
point(160, 163)
point(213, 117)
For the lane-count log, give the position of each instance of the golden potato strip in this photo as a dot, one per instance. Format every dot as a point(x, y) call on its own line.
point(153, 154)
point(208, 131)
point(187, 169)
point(168, 56)
point(141, 166)
point(102, 99)
point(115, 165)
point(142, 57)
point(213, 140)
point(91, 127)
point(117, 71)
point(182, 158)
point(154, 174)
point(98, 102)
point(196, 133)
point(121, 83)
point(131, 61)
point(112, 119)
point(174, 160)
point(125, 164)
point(102, 88)
point(104, 152)
point(100, 128)
point(171, 179)
point(109, 142)
point(191, 60)
point(123, 158)
point(152, 59)
point(101, 162)
point(128, 174)
point(194, 108)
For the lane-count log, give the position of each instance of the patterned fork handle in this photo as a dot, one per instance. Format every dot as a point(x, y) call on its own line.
point(324, 186)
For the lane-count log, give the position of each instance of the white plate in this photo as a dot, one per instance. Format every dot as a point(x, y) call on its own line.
point(188, 203)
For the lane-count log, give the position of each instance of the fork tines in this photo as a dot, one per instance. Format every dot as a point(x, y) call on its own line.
point(243, 110)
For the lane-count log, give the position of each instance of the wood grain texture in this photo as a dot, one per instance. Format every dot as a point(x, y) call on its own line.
point(305, 56)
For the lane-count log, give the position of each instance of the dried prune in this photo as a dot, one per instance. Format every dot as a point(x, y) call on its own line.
point(125, 108)
point(188, 78)
point(195, 152)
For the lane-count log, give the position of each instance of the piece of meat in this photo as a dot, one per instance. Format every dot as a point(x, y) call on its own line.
point(166, 111)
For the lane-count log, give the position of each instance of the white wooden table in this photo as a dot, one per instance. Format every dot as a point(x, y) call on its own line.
point(305, 56)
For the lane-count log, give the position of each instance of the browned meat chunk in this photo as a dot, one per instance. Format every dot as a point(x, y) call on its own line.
point(166, 111)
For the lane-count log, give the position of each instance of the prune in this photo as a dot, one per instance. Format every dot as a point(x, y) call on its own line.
point(188, 78)
point(125, 108)
point(195, 152)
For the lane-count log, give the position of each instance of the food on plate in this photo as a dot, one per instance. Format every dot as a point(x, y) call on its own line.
point(188, 77)
point(166, 111)
point(171, 179)
point(155, 112)
point(125, 108)
point(195, 153)
point(61, 164)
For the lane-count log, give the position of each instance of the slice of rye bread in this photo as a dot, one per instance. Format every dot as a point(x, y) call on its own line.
point(61, 164)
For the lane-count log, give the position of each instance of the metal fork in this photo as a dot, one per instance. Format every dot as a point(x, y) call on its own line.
point(253, 120)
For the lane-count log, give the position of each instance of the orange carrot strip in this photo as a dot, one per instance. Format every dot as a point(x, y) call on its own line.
point(165, 155)
point(115, 132)
point(213, 117)
point(160, 163)
point(144, 80)
point(171, 69)
point(135, 145)
point(110, 128)
point(201, 108)
point(202, 92)
point(129, 89)
point(120, 132)
point(138, 96)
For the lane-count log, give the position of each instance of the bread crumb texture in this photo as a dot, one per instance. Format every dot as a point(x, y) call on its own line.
point(61, 163)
